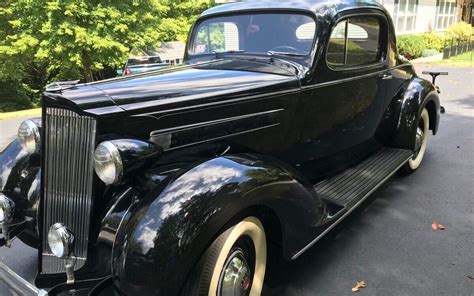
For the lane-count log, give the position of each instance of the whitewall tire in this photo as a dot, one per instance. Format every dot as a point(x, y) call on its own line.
point(421, 141)
point(234, 264)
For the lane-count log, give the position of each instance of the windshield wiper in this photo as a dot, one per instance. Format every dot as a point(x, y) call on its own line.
point(287, 54)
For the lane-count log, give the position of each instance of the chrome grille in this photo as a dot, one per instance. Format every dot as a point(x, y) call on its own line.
point(68, 177)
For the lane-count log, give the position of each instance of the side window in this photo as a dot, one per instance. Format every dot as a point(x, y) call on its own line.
point(337, 43)
point(355, 42)
point(363, 46)
point(216, 37)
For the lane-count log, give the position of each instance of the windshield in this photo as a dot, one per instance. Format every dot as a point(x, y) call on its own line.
point(261, 33)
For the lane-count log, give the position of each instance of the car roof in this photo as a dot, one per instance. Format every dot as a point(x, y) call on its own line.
point(315, 7)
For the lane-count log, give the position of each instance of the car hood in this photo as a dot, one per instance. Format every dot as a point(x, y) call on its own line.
point(173, 87)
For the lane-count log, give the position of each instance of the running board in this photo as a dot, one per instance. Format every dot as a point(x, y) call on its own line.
point(350, 188)
point(359, 181)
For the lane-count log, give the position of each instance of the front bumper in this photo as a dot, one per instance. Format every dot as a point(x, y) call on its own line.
point(13, 284)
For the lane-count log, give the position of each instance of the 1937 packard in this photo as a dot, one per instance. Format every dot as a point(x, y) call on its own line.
point(285, 117)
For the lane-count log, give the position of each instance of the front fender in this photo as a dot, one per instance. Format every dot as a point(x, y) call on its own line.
point(176, 222)
point(20, 181)
point(399, 124)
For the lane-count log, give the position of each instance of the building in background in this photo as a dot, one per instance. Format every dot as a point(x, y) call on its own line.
point(172, 52)
point(419, 16)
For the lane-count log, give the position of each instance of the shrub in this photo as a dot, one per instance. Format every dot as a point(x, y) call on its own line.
point(459, 31)
point(434, 41)
point(411, 46)
point(15, 96)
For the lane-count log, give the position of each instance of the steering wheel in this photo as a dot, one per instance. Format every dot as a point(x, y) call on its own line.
point(286, 48)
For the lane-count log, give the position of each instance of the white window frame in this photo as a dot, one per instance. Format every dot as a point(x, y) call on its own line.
point(404, 14)
point(445, 15)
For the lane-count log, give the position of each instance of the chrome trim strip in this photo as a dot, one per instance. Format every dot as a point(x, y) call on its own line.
point(212, 122)
point(223, 137)
point(349, 211)
point(68, 178)
point(271, 95)
point(339, 81)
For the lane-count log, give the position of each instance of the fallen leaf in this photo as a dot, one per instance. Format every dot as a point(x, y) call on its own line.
point(359, 285)
point(437, 226)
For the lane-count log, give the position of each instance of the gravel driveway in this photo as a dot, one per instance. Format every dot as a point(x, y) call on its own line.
point(389, 243)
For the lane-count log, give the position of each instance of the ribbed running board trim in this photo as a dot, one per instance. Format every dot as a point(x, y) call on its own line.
point(402, 156)
point(355, 182)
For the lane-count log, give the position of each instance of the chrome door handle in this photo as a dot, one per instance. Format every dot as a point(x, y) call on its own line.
point(385, 76)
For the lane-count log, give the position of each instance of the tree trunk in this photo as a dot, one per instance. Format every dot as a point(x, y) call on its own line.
point(87, 67)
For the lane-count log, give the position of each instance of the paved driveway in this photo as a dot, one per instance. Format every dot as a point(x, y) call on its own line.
point(389, 243)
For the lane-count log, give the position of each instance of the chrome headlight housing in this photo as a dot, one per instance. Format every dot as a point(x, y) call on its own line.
point(108, 163)
point(60, 240)
point(29, 136)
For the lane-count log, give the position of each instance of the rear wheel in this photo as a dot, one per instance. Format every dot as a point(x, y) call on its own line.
point(233, 265)
point(421, 142)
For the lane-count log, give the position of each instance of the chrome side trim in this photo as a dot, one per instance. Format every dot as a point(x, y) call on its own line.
point(266, 96)
point(212, 122)
point(226, 136)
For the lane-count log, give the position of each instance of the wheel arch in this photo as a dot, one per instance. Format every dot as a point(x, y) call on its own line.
point(180, 219)
point(433, 108)
point(398, 124)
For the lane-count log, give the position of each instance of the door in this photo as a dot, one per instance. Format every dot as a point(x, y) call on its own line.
point(344, 106)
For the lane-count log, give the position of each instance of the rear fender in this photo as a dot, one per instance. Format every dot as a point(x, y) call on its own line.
point(399, 123)
point(175, 223)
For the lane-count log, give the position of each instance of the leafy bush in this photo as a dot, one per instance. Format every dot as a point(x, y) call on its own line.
point(15, 96)
point(411, 46)
point(460, 31)
point(434, 41)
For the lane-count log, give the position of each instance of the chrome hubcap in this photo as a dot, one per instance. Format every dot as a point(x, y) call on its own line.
point(235, 277)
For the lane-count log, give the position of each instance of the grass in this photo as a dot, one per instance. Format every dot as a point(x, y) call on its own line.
point(463, 60)
point(19, 114)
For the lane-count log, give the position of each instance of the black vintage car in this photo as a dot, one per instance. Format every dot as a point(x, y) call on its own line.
point(286, 116)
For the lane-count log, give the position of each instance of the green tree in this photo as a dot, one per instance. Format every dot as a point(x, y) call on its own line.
point(48, 40)
point(180, 17)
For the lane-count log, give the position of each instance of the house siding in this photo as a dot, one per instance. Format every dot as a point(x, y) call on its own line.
point(425, 16)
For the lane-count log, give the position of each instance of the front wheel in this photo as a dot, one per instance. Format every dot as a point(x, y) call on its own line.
point(421, 142)
point(234, 264)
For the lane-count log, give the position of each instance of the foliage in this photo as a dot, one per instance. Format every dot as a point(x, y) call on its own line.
point(17, 96)
point(434, 41)
point(411, 46)
point(460, 31)
point(179, 18)
point(48, 40)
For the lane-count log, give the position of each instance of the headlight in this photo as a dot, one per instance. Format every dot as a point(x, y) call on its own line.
point(108, 163)
point(60, 240)
point(29, 136)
